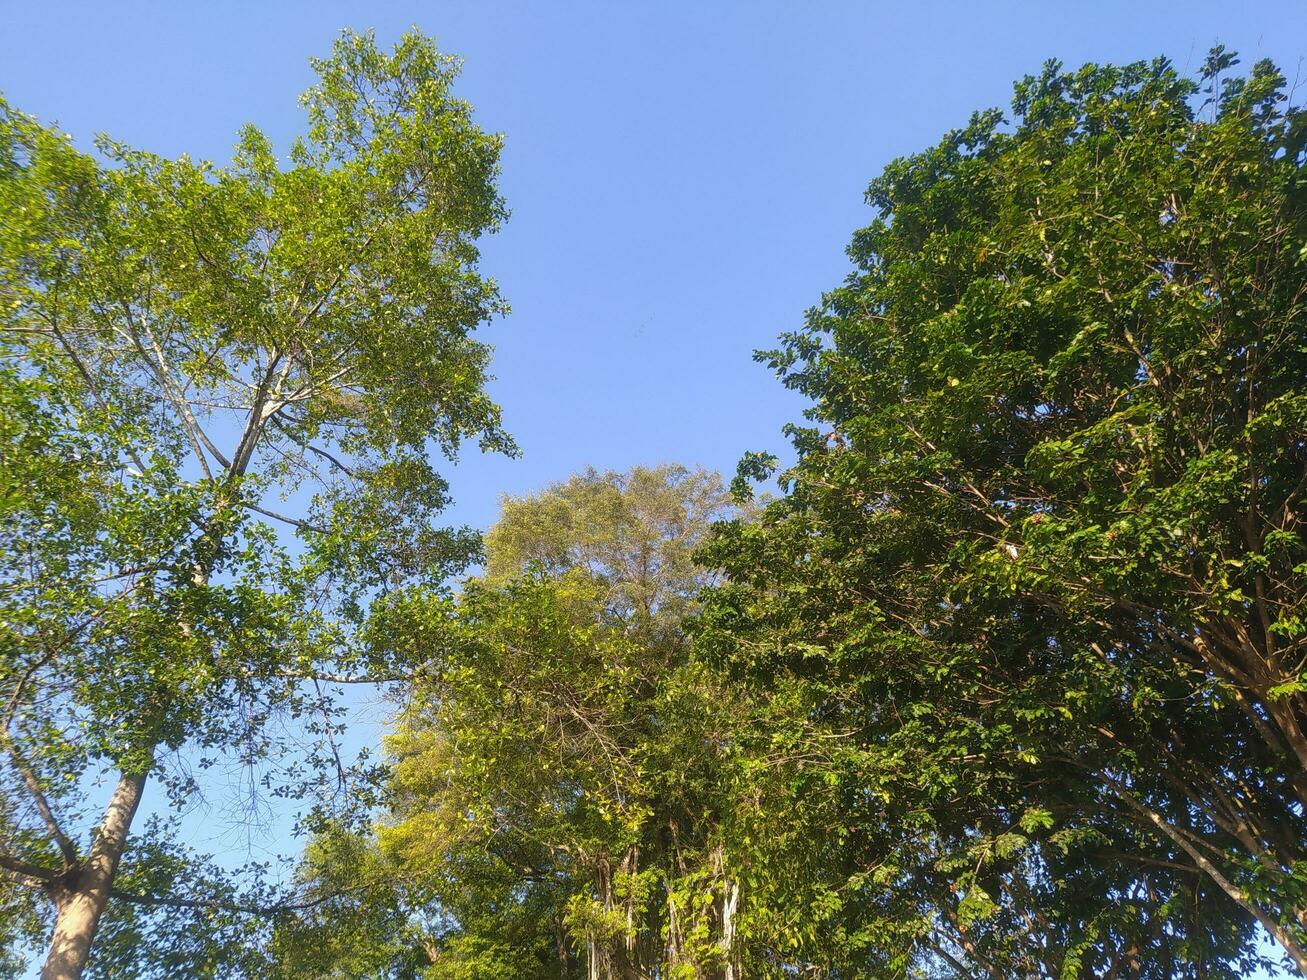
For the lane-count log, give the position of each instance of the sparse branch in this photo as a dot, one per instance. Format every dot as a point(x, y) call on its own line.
point(316, 450)
point(249, 908)
point(64, 843)
point(26, 869)
point(332, 678)
point(175, 395)
point(293, 521)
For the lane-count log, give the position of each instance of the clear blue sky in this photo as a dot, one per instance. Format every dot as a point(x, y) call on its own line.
point(683, 176)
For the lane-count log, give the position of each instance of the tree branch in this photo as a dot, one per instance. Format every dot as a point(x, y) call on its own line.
point(169, 901)
point(26, 869)
point(293, 521)
point(66, 846)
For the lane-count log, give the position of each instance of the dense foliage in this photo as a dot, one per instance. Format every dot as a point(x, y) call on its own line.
point(560, 766)
point(181, 345)
point(1007, 682)
point(1038, 574)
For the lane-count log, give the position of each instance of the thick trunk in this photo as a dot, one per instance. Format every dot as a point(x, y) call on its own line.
point(83, 902)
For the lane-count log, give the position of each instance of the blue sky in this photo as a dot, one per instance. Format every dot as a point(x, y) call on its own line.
point(683, 176)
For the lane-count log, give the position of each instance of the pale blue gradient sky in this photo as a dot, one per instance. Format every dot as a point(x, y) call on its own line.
point(683, 176)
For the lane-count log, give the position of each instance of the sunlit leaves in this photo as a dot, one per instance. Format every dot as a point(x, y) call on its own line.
point(197, 358)
point(1041, 544)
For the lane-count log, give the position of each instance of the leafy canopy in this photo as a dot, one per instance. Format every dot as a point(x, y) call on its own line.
point(1038, 575)
point(221, 388)
point(562, 766)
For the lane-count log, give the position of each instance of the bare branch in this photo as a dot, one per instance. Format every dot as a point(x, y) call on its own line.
point(317, 451)
point(26, 869)
point(66, 846)
point(294, 522)
point(173, 393)
point(331, 678)
point(246, 907)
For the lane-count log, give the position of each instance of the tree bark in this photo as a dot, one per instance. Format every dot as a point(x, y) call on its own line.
point(81, 902)
point(730, 902)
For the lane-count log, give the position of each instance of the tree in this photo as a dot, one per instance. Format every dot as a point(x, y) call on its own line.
point(562, 771)
point(1039, 572)
point(182, 345)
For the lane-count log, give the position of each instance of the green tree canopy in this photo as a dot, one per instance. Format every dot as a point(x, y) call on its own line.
point(192, 356)
point(560, 772)
point(1038, 574)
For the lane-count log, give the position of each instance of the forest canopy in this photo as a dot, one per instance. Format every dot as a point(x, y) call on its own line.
point(1005, 679)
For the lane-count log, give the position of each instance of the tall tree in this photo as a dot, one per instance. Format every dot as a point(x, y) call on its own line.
point(1039, 573)
point(183, 344)
point(561, 772)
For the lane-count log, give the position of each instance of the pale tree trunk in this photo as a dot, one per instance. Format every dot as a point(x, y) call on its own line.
point(599, 948)
point(672, 948)
point(560, 943)
point(730, 902)
point(673, 945)
point(81, 902)
point(630, 965)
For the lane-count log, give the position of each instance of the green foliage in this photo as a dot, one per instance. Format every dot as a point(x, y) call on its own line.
point(186, 351)
point(354, 920)
point(1039, 564)
point(561, 767)
point(1008, 682)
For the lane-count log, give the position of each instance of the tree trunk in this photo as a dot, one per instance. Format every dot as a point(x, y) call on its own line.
point(82, 902)
point(630, 963)
point(730, 902)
